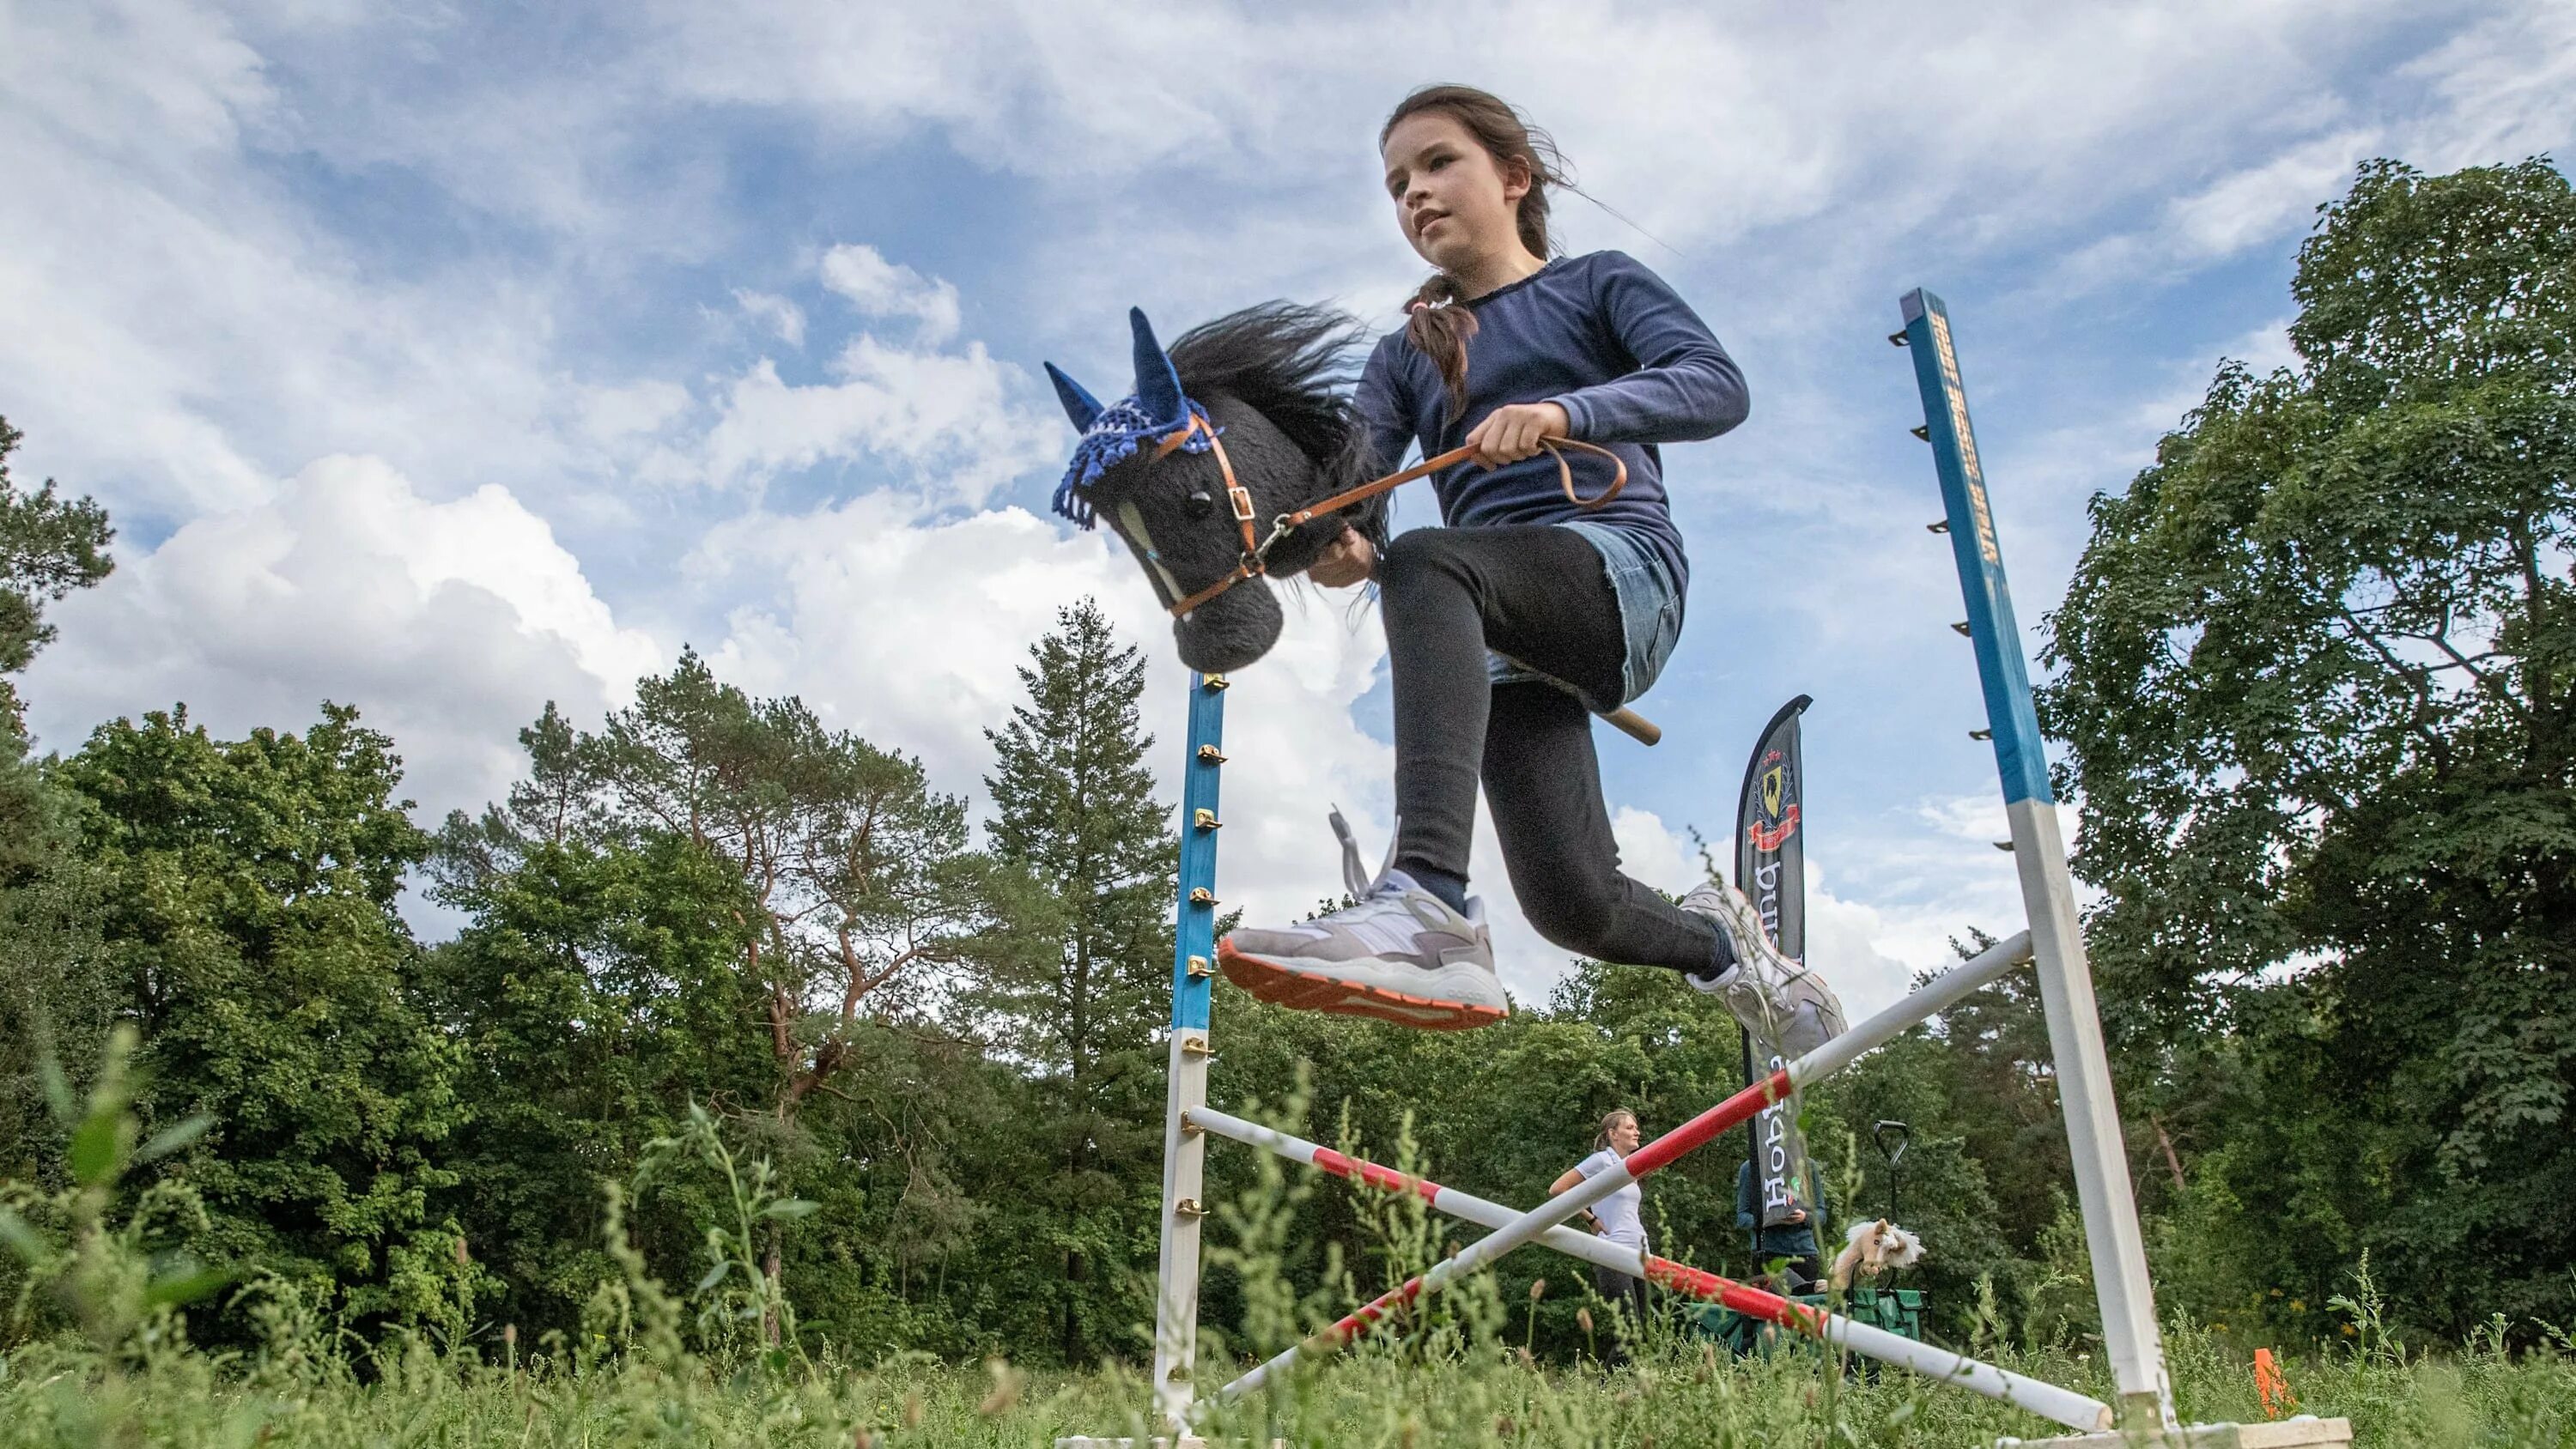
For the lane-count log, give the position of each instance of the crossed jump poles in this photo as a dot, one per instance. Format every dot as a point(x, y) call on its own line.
point(2053, 944)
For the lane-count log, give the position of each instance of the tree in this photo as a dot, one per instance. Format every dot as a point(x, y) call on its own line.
point(249, 921)
point(860, 905)
point(2318, 688)
point(54, 998)
point(49, 546)
point(594, 995)
point(861, 872)
point(1074, 808)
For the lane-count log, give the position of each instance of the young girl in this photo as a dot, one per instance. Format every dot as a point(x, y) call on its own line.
point(1504, 350)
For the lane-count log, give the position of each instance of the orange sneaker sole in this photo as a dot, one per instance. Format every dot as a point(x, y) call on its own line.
point(1269, 981)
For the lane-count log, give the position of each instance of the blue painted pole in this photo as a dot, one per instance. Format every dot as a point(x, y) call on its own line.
point(2102, 1187)
point(1194, 933)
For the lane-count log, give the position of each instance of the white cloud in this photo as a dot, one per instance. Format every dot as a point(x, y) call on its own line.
point(615, 417)
point(876, 287)
point(203, 294)
point(2503, 84)
point(448, 624)
point(911, 630)
point(947, 419)
point(775, 314)
point(2260, 202)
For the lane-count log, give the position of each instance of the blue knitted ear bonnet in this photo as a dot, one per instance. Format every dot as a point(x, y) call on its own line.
point(1111, 435)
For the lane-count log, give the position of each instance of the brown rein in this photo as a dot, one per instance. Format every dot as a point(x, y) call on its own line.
point(1255, 559)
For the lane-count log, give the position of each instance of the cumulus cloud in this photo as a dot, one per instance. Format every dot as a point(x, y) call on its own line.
point(875, 287)
point(448, 624)
point(617, 267)
point(774, 314)
point(951, 422)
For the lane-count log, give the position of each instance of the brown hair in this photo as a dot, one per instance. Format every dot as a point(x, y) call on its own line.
point(1611, 1119)
point(1439, 322)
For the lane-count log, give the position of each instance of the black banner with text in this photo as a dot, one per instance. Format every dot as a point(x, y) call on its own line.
point(1771, 870)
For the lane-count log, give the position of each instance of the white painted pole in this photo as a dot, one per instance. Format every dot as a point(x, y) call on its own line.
point(2044, 1399)
point(2103, 1190)
point(1176, 1313)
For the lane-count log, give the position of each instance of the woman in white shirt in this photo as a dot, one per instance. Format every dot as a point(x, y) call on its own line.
point(1618, 1217)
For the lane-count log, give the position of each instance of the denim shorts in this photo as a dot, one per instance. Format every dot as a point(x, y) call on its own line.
point(1650, 612)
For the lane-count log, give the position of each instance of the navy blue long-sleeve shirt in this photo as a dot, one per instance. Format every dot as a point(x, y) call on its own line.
point(1630, 362)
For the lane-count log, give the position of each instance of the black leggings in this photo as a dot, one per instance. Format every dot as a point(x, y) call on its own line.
point(1618, 1287)
point(1541, 595)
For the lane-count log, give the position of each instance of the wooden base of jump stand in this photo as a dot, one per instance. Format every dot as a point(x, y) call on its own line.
point(2297, 1433)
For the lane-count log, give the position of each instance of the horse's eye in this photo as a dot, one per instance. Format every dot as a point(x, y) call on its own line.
point(1202, 503)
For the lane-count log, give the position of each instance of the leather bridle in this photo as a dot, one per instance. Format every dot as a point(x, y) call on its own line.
point(1254, 561)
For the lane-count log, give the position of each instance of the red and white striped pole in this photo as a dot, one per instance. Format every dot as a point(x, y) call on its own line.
point(1927, 1001)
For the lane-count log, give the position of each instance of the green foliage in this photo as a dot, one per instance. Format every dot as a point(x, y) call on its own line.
point(104, 1278)
point(595, 991)
point(2318, 685)
point(1083, 1008)
point(54, 993)
point(247, 913)
point(631, 1379)
point(716, 898)
point(861, 888)
point(744, 1303)
point(49, 546)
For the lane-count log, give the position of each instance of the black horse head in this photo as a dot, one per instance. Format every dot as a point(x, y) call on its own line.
point(1274, 380)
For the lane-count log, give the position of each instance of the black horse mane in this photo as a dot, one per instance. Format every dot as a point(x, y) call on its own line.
point(1294, 365)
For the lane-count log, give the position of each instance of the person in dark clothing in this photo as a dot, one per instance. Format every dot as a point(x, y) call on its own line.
point(1527, 608)
point(1796, 1240)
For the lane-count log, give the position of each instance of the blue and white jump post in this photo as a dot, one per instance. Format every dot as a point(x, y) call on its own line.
point(2142, 1412)
point(2102, 1187)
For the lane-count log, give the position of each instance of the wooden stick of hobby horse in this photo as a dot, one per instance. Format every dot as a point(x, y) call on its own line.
point(1630, 723)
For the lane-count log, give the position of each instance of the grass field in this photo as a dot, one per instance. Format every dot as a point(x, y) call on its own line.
point(106, 1362)
point(1677, 1395)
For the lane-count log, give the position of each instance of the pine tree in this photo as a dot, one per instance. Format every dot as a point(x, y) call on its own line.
point(1074, 808)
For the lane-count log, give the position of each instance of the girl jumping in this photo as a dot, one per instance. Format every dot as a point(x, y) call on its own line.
point(1507, 625)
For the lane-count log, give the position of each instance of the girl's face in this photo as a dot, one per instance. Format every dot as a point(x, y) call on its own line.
point(1624, 1135)
point(1456, 204)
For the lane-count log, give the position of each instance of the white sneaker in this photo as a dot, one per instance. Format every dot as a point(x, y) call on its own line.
point(1779, 1000)
point(1401, 955)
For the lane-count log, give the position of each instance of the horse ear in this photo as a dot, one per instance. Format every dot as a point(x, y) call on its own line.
point(1080, 406)
point(1158, 387)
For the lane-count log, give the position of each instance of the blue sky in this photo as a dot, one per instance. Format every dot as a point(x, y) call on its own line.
point(447, 359)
